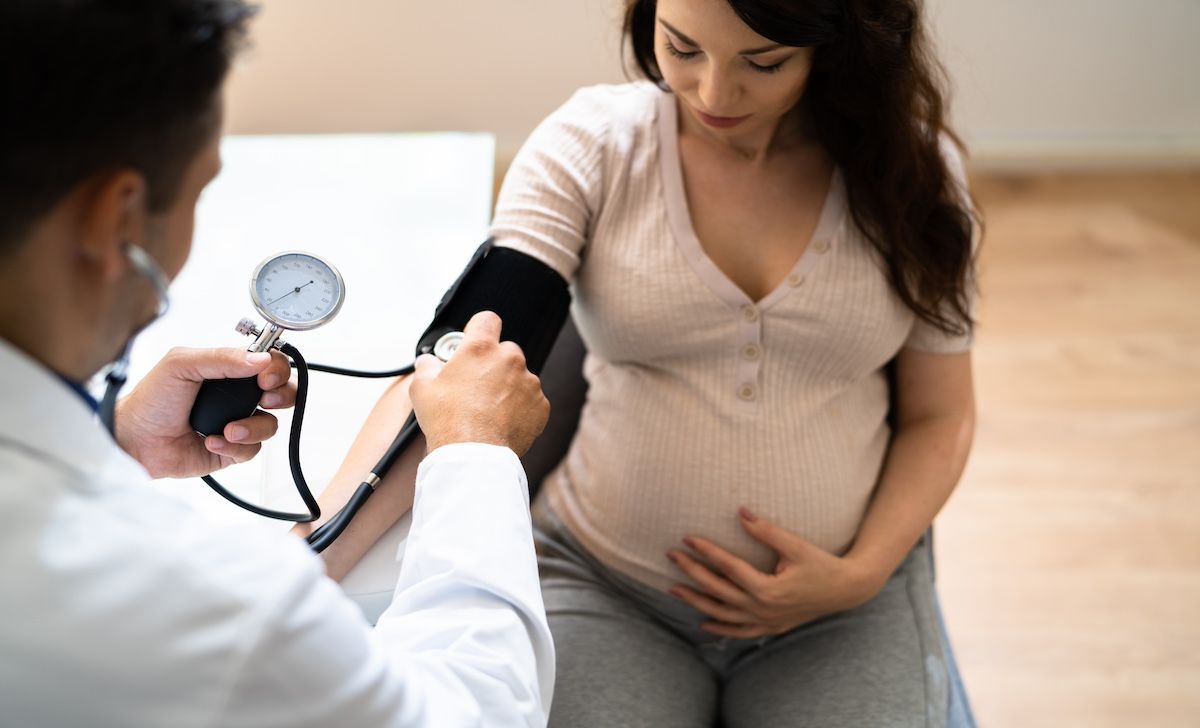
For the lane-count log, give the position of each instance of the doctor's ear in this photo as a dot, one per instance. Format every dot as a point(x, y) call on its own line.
point(113, 212)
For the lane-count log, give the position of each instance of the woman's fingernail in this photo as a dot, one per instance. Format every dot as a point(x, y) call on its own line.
point(271, 381)
point(671, 556)
point(238, 432)
point(745, 512)
point(270, 399)
point(257, 357)
point(216, 444)
point(690, 543)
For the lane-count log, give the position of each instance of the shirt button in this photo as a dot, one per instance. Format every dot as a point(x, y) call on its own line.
point(751, 351)
point(747, 392)
point(822, 246)
point(750, 313)
point(795, 279)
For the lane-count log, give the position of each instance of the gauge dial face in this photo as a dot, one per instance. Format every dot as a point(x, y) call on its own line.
point(297, 291)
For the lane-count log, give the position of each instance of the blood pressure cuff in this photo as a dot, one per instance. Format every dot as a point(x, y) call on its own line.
point(531, 299)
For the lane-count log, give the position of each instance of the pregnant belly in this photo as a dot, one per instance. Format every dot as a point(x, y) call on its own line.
point(632, 492)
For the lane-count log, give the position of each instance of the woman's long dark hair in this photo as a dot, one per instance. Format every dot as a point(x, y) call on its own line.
point(875, 102)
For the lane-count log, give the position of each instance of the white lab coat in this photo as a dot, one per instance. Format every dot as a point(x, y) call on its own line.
point(120, 607)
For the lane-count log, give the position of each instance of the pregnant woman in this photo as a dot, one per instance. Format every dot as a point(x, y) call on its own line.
point(770, 244)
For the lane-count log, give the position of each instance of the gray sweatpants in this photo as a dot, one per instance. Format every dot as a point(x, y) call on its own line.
point(634, 657)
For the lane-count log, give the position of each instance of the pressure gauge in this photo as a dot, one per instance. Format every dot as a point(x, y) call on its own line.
point(297, 291)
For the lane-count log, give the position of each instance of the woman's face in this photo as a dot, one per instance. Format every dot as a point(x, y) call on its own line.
point(729, 78)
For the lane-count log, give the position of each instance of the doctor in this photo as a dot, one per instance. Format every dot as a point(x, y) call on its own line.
point(120, 607)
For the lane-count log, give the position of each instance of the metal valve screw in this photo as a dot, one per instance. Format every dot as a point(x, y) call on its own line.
point(246, 326)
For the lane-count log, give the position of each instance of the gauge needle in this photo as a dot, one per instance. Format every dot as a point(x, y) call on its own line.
point(294, 290)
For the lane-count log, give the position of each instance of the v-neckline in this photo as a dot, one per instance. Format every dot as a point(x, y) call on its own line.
point(679, 217)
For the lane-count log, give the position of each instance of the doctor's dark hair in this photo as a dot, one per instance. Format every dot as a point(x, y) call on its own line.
point(90, 86)
point(875, 101)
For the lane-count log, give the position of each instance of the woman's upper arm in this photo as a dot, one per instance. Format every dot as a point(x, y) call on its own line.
point(554, 187)
point(932, 384)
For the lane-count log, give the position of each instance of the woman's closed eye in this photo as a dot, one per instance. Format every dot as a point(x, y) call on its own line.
point(773, 68)
point(683, 55)
point(764, 64)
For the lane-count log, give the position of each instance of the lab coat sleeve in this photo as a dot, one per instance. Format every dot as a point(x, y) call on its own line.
point(464, 643)
point(468, 604)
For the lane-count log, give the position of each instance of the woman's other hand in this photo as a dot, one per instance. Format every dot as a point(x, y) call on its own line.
point(743, 602)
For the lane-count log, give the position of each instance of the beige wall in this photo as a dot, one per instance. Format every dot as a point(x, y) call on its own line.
point(1074, 82)
point(399, 65)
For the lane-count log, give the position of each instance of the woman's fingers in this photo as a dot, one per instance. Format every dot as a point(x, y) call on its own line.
point(711, 583)
point(737, 631)
point(713, 608)
point(736, 570)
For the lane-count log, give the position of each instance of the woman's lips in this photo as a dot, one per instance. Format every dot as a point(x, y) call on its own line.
point(721, 122)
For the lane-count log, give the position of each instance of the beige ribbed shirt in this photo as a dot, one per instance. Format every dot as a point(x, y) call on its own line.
point(701, 400)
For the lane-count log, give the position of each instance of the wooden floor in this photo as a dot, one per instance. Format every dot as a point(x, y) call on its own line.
point(1069, 558)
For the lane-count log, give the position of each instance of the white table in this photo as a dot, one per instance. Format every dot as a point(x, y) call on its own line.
point(399, 215)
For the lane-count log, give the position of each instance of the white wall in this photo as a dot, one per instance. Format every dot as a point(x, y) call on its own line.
point(1080, 82)
point(1038, 82)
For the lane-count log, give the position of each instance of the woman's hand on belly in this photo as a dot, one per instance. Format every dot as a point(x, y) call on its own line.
point(743, 602)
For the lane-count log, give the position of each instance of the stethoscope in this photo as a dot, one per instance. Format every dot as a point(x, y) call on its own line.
point(292, 291)
point(119, 372)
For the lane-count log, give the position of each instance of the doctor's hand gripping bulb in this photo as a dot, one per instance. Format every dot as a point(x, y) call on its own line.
point(293, 291)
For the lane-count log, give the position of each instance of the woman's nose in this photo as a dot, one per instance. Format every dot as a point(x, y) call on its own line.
point(718, 92)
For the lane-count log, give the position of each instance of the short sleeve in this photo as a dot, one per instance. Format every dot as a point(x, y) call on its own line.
point(925, 336)
point(554, 188)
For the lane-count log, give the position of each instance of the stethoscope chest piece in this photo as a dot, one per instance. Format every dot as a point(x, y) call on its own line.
point(447, 345)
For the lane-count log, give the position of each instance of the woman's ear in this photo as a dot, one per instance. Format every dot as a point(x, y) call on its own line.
point(112, 213)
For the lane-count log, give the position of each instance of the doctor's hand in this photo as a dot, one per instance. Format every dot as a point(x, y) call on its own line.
point(152, 422)
point(743, 602)
point(484, 394)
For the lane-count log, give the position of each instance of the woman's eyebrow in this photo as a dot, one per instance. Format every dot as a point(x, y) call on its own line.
point(677, 32)
point(689, 41)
